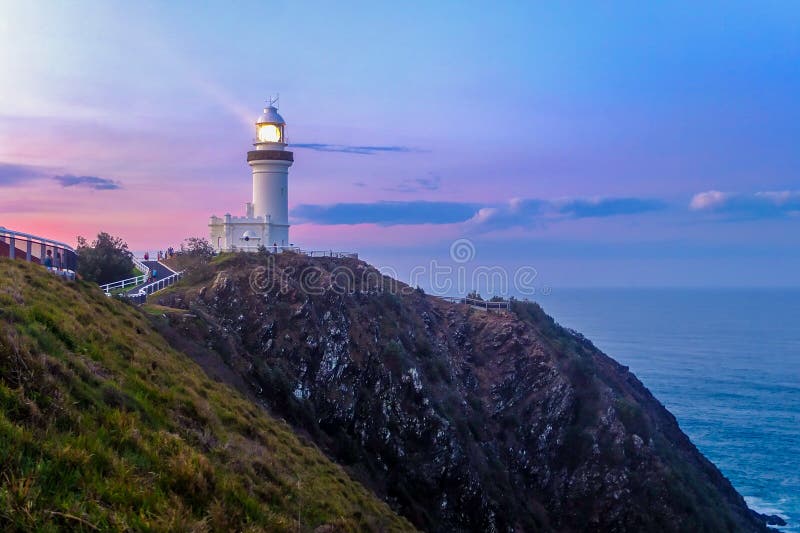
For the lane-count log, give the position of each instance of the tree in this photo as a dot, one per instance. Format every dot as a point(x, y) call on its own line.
point(106, 260)
point(193, 259)
point(197, 247)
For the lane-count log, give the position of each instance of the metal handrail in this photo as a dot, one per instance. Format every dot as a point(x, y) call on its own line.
point(69, 257)
point(327, 253)
point(36, 238)
point(312, 253)
point(273, 248)
point(482, 304)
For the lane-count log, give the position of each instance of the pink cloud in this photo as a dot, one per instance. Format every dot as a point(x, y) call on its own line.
point(708, 200)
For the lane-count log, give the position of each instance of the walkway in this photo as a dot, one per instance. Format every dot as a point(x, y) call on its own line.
point(162, 270)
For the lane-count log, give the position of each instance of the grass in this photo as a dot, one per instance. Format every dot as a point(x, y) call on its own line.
point(104, 427)
point(123, 290)
point(158, 310)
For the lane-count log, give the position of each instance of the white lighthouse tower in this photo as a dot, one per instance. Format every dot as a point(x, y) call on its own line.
point(266, 222)
point(270, 162)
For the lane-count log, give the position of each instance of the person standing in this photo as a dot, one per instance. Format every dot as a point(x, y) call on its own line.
point(48, 260)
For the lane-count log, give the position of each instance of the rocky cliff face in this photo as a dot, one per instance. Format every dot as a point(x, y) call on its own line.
point(461, 419)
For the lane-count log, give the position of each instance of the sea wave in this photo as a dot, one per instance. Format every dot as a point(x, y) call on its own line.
point(765, 507)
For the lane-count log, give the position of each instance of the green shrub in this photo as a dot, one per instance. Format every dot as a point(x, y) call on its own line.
point(633, 418)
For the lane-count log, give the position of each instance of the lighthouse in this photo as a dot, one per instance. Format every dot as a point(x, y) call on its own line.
point(266, 220)
point(270, 162)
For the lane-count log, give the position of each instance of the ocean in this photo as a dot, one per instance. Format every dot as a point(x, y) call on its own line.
point(725, 362)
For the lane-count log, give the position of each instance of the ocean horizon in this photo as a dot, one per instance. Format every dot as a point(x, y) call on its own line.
point(724, 361)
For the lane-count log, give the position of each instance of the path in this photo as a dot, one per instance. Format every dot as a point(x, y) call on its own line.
point(162, 270)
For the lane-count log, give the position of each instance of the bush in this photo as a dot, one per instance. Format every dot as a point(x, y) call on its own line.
point(633, 418)
point(197, 247)
point(193, 259)
point(105, 260)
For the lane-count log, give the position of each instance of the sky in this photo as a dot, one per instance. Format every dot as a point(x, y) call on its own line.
point(608, 144)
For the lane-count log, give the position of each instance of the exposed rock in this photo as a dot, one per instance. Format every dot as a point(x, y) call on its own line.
point(463, 420)
point(773, 520)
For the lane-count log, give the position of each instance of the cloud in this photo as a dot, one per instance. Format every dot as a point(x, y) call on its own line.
point(351, 149)
point(89, 182)
point(608, 207)
point(12, 174)
point(385, 213)
point(430, 183)
point(765, 204)
point(518, 212)
point(529, 212)
point(708, 200)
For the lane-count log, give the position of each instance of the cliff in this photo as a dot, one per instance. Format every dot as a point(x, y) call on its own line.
point(103, 426)
point(462, 420)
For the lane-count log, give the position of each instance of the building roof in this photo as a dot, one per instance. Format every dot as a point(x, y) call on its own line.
point(270, 115)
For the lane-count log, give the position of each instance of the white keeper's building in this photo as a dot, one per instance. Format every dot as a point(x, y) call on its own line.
point(266, 220)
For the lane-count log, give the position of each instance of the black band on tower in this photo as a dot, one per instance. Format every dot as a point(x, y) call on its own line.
point(269, 155)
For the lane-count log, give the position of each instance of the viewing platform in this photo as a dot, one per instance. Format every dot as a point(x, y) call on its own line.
point(62, 258)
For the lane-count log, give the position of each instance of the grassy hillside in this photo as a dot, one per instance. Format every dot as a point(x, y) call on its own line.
point(104, 427)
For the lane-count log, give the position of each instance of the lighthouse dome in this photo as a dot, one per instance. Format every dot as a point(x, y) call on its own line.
point(250, 235)
point(270, 116)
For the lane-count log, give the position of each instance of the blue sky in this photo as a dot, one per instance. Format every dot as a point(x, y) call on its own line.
point(603, 144)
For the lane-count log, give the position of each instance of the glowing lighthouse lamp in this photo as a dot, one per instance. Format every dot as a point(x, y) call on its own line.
point(269, 132)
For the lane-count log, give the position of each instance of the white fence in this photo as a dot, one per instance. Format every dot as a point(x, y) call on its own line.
point(130, 282)
point(141, 295)
point(144, 269)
